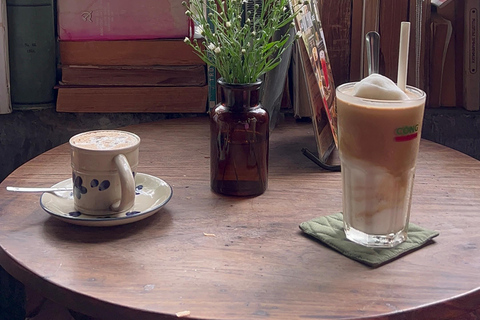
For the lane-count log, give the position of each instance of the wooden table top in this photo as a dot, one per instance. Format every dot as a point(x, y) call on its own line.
point(259, 265)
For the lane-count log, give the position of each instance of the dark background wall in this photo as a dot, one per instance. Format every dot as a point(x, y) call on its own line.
point(26, 134)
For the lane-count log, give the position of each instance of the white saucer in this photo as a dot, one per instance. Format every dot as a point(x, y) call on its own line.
point(152, 193)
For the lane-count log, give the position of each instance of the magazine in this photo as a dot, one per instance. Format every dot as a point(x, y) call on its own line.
point(313, 44)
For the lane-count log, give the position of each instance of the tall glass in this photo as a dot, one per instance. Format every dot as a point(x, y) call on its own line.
point(378, 147)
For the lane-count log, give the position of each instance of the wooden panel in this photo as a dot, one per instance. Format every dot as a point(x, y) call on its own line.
point(392, 13)
point(356, 42)
point(336, 22)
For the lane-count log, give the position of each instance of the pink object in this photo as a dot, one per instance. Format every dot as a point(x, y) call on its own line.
point(121, 19)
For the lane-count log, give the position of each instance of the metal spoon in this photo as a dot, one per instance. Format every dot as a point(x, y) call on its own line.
point(48, 189)
point(372, 40)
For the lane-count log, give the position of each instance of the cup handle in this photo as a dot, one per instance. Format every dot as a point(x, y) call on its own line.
point(127, 184)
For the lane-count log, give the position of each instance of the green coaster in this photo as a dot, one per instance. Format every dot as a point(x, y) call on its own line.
point(329, 230)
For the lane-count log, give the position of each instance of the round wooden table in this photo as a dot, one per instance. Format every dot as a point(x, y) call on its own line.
point(243, 258)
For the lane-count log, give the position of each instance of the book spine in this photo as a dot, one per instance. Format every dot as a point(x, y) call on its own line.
point(300, 98)
point(212, 87)
point(107, 99)
point(31, 35)
point(128, 52)
point(441, 36)
point(471, 73)
point(121, 19)
point(5, 102)
point(211, 73)
point(450, 68)
point(157, 76)
point(459, 39)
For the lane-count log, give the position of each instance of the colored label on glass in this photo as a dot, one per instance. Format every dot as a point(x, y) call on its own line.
point(406, 133)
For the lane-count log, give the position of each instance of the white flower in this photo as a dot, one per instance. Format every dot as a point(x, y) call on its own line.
point(244, 51)
point(228, 24)
point(299, 34)
point(211, 46)
point(253, 33)
point(217, 50)
point(186, 40)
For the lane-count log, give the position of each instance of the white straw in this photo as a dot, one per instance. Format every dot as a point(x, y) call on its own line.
point(403, 55)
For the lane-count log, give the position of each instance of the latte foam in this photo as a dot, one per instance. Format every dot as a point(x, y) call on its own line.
point(104, 140)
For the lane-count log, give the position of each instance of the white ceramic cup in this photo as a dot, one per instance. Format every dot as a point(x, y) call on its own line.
point(104, 163)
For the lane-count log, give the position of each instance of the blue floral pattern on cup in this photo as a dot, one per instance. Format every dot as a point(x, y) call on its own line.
point(79, 189)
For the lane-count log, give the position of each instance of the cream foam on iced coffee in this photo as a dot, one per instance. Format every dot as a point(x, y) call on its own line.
point(104, 140)
point(379, 87)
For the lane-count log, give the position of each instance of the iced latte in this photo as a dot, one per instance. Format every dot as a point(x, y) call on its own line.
point(378, 144)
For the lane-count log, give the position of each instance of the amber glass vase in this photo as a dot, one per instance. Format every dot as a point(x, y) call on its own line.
point(239, 133)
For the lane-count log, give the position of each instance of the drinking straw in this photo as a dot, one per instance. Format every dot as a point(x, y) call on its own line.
point(403, 55)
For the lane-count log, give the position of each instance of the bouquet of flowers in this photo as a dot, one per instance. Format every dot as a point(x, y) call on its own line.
point(238, 41)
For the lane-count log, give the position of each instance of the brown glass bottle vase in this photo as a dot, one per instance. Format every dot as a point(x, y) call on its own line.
point(239, 141)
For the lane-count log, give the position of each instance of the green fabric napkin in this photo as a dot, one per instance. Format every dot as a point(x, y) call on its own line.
point(329, 230)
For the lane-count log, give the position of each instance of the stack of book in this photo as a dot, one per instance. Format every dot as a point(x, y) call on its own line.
point(122, 56)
